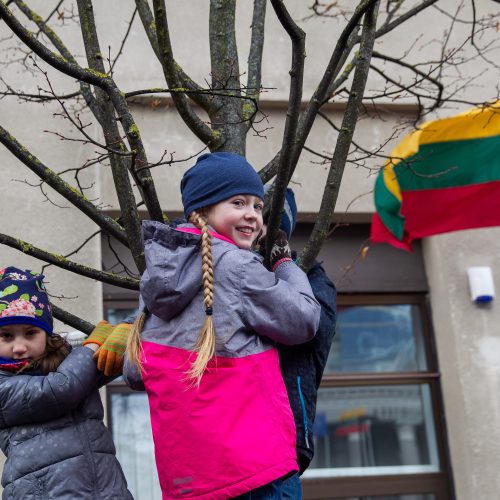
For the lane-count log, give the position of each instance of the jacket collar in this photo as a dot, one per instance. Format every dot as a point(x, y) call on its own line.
point(195, 230)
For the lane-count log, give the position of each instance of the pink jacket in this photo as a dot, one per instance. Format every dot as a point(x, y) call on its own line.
point(235, 432)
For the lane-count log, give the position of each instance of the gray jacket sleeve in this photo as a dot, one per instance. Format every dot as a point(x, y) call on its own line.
point(26, 399)
point(132, 376)
point(279, 305)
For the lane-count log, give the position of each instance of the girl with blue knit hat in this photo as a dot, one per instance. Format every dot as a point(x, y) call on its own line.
point(51, 415)
point(204, 347)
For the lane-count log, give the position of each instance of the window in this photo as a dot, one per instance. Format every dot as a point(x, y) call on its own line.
point(378, 338)
point(131, 429)
point(376, 427)
point(130, 424)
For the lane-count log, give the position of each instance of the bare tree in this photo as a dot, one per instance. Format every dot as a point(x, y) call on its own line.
point(230, 101)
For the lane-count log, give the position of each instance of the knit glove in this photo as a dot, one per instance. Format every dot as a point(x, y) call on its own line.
point(280, 252)
point(110, 355)
point(99, 334)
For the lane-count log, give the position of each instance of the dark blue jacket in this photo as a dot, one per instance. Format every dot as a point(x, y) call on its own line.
point(302, 365)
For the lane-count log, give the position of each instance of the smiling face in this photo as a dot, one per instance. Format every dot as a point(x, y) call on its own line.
point(22, 341)
point(238, 218)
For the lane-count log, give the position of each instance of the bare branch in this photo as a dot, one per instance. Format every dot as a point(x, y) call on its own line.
point(285, 168)
point(321, 227)
point(187, 82)
point(77, 249)
point(404, 17)
point(36, 97)
point(209, 91)
point(54, 10)
point(60, 63)
point(255, 57)
point(226, 75)
point(369, 154)
point(62, 49)
point(346, 41)
point(172, 77)
point(124, 40)
point(123, 187)
point(162, 162)
point(63, 263)
point(102, 81)
point(321, 92)
point(422, 74)
point(63, 188)
point(115, 268)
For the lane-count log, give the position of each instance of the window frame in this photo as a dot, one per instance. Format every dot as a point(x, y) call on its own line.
point(438, 483)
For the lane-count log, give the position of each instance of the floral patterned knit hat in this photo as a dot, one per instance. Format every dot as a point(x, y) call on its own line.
point(24, 299)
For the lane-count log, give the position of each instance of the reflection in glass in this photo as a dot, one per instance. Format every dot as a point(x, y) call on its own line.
point(134, 444)
point(115, 316)
point(382, 338)
point(374, 430)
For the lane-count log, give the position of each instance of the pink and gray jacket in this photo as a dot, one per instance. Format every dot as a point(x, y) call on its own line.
point(235, 432)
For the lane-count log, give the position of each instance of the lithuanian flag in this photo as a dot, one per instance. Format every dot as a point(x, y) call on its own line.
point(443, 177)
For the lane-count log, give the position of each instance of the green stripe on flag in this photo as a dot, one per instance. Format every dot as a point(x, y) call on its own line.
point(450, 164)
point(388, 208)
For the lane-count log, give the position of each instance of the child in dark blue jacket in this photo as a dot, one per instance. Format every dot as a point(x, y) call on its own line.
point(302, 365)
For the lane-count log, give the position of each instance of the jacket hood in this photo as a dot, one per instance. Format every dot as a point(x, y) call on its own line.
point(173, 269)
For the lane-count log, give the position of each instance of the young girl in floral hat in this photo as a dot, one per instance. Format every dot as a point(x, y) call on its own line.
point(221, 420)
point(51, 416)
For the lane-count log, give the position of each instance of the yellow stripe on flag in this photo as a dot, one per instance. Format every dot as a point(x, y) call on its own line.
point(475, 123)
point(390, 181)
point(406, 148)
point(353, 413)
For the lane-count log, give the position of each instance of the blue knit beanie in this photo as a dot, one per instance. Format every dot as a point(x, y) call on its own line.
point(216, 177)
point(289, 215)
point(24, 300)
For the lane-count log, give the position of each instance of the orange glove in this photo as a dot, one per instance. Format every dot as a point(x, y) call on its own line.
point(110, 355)
point(99, 334)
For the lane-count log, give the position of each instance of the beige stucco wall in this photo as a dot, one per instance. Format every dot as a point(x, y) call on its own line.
point(161, 127)
point(48, 221)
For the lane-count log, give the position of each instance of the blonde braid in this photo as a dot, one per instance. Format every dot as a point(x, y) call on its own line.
point(205, 345)
point(134, 346)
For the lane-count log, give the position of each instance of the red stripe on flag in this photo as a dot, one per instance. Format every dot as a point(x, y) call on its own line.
point(381, 234)
point(345, 430)
point(434, 211)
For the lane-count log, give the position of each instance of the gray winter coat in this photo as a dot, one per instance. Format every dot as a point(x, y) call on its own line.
point(52, 432)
